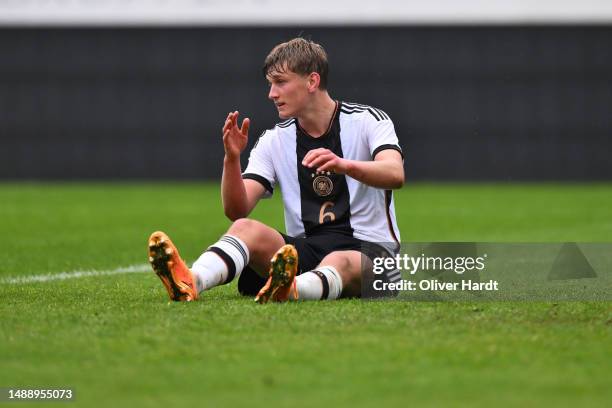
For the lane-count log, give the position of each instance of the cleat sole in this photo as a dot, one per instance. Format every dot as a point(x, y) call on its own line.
point(160, 258)
point(279, 277)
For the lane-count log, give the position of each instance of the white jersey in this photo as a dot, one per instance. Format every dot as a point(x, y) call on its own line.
point(329, 203)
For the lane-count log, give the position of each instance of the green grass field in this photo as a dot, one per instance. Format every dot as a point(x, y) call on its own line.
point(116, 340)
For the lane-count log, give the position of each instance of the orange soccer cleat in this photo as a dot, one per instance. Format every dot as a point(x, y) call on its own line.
point(171, 269)
point(281, 285)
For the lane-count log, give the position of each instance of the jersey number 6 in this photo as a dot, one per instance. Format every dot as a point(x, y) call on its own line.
point(329, 214)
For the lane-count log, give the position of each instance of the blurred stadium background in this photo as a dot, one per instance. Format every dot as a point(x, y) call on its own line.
point(478, 90)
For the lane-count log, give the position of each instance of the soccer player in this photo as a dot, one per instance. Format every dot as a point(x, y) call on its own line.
point(336, 164)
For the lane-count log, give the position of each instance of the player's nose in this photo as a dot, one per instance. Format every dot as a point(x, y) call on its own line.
point(272, 94)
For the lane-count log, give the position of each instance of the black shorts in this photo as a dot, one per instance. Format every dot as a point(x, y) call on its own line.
point(311, 251)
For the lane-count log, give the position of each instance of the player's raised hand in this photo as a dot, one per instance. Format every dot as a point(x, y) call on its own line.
point(234, 138)
point(325, 160)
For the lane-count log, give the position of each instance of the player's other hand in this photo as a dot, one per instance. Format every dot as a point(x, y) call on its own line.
point(325, 160)
point(234, 138)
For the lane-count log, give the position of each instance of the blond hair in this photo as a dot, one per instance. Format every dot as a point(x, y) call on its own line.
point(300, 56)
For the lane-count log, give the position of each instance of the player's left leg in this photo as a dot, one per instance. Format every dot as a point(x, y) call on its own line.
point(339, 274)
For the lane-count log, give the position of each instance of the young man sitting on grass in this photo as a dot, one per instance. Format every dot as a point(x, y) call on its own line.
point(336, 164)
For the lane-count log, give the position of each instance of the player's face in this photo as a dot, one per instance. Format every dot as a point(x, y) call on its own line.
point(289, 92)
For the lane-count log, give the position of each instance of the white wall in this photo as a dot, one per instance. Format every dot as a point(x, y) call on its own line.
point(304, 12)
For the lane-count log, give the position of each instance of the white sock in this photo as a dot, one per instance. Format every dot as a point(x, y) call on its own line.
point(313, 285)
point(221, 263)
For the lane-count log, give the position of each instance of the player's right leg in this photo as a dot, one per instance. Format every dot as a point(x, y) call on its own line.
point(170, 268)
point(247, 242)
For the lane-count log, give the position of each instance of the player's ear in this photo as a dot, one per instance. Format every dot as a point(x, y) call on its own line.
point(314, 80)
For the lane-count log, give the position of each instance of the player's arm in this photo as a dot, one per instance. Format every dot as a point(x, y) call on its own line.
point(239, 196)
point(385, 171)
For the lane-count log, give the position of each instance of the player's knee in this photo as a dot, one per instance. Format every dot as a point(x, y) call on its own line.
point(260, 239)
point(339, 261)
point(243, 225)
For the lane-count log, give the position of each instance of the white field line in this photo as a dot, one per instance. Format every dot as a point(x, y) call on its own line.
point(18, 280)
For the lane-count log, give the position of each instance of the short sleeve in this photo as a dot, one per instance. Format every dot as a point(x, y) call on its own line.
point(381, 134)
point(260, 167)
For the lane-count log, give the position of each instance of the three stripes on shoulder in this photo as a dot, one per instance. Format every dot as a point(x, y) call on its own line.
point(349, 108)
point(286, 123)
